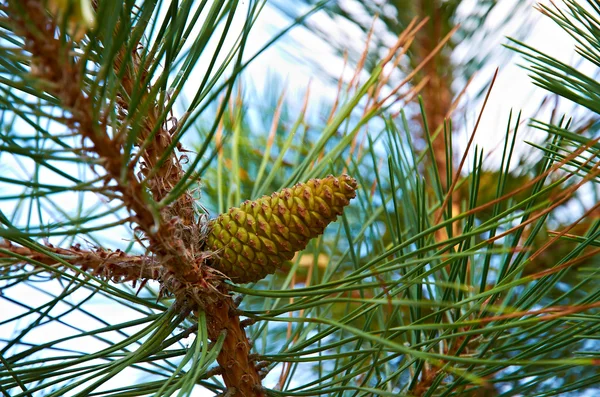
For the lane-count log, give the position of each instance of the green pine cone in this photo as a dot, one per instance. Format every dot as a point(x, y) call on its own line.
point(253, 240)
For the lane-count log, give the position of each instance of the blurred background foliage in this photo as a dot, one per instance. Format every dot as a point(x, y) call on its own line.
point(443, 72)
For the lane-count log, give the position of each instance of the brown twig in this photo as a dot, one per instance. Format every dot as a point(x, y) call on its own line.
point(116, 265)
point(239, 371)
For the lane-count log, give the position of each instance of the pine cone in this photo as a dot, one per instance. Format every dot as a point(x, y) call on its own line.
point(252, 241)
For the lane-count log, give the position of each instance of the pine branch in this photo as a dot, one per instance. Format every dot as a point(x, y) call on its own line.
point(55, 65)
point(116, 266)
point(375, 305)
point(174, 236)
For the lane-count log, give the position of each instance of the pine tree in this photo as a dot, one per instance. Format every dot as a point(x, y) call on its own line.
point(116, 280)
